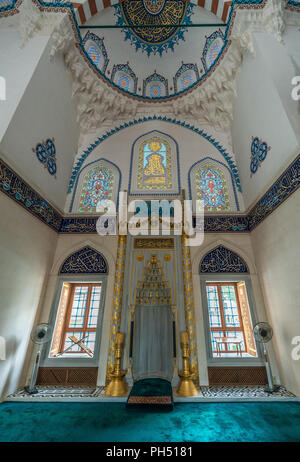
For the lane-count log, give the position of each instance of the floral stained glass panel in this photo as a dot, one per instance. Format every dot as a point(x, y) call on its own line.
point(211, 188)
point(97, 189)
point(154, 165)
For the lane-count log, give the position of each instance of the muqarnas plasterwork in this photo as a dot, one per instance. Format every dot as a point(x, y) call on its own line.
point(259, 151)
point(45, 152)
point(86, 260)
point(212, 49)
point(97, 188)
point(211, 188)
point(154, 165)
point(222, 260)
point(152, 12)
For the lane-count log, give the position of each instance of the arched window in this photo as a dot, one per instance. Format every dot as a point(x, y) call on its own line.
point(97, 188)
point(154, 165)
point(79, 306)
point(96, 51)
point(186, 75)
point(212, 48)
point(211, 188)
point(123, 76)
point(226, 288)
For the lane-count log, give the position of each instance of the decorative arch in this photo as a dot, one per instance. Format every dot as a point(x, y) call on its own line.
point(231, 164)
point(154, 165)
point(222, 260)
point(221, 196)
point(85, 261)
point(96, 51)
point(99, 180)
point(123, 76)
point(155, 86)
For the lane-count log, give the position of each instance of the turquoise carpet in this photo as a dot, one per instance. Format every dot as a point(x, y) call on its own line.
point(111, 422)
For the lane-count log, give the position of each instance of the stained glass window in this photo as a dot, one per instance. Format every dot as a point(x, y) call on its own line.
point(97, 188)
point(227, 320)
point(95, 55)
point(186, 80)
point(155, 91)
point(211, 188)
point(4, 3)
point(80, 319)
point(124, 82)
point(154, 165)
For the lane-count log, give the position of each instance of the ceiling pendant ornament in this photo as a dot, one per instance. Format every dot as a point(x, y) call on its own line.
point(151, 12)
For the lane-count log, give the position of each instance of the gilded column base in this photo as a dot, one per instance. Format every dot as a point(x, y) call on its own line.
point(117, 385)
point(187, 386)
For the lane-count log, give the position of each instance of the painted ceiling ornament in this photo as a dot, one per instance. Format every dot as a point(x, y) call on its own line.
point(45, 152)
point(151, 12)
point(259, 151)
point(212, 49)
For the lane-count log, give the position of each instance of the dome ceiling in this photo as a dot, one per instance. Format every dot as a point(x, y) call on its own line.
point(154, 62)
point(154, 12)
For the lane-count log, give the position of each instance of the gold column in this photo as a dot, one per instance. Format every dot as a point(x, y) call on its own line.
point(189, 308)
point(186, 386)
point(117, 306)
point(117, 385)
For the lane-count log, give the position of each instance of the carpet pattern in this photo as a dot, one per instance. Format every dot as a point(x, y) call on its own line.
point(111, 422)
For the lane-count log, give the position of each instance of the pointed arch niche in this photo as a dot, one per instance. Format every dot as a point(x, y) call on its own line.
point(154, 168)
point(211, 181)
point(97, 181)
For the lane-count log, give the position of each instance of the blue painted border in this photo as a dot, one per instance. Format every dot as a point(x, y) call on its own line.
point(247, 3)
point(113, 131)
point(221, 163)
point(86, 166)
point(83, 270)
point(150, 192)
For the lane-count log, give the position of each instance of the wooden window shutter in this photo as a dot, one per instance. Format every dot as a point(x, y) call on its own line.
point(63, 305)
point(250, 343)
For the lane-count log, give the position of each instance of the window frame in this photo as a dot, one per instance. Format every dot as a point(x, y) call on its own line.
point(223, 327)
point(235, 360)
point(72, 360)
point(84, 329)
